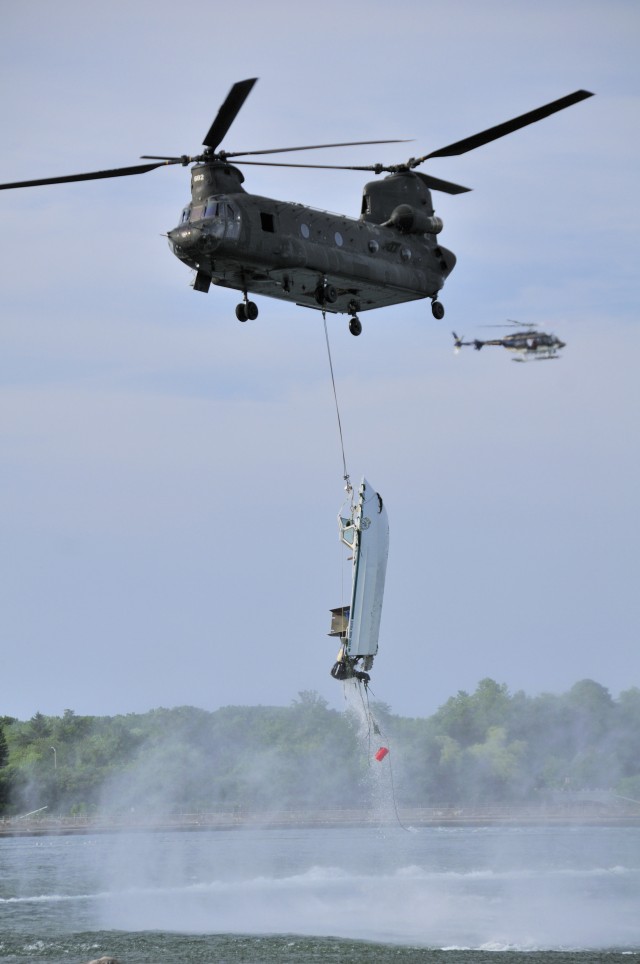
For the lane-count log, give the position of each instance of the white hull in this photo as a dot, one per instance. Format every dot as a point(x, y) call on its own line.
point(366, 533)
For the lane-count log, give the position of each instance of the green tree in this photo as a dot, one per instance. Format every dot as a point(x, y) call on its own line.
point(40, 725)
point(467, 718)
point(627, 734)
point(4, 781)
point(592, 708)
point(494, 772)
point(486, 745)
point(4, 748)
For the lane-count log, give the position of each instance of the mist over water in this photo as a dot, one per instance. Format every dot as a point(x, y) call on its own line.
point(481, 888)
point(378, 795)
point(465, 888)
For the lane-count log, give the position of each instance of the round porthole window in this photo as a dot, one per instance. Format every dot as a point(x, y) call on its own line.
point(338, 239)
point(405, 254)
point(304, 230)
point(374, 247)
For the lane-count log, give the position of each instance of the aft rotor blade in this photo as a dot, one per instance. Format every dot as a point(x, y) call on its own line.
point(493, 133)
point(87, 176)
point(435, 183)
point(228, 112)
point(310, 147)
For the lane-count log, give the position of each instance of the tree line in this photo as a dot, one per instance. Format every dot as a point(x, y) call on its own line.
point(489, 746)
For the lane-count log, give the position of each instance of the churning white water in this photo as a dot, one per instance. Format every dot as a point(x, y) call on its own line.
point(517, 888)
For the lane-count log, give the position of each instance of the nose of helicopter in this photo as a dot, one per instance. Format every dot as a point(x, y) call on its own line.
point(184, 237)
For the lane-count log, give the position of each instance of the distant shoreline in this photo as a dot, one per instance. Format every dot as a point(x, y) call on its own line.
point(316, 820)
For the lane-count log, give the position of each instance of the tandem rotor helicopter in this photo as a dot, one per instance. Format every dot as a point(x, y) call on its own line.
point(281, 249)
point(528, 343)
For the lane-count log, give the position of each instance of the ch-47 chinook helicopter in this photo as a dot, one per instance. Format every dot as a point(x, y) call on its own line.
point(527, 342)
point(280, 249)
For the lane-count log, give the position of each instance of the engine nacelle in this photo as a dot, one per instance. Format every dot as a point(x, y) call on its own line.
point(410, 220)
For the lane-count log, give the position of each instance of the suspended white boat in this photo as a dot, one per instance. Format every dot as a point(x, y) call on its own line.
point(366, 534)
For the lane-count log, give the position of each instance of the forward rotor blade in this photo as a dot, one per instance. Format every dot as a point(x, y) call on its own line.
point(228, 112)
point(87, 176)
point(309, 147)
point(493, 133)
point(325, 167)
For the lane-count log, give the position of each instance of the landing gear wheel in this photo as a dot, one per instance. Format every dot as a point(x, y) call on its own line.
point(437, 310)
point(326, 294)
point(247, 311)
point(355, 326)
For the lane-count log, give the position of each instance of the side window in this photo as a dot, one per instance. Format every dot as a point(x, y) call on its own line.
point(267, 222)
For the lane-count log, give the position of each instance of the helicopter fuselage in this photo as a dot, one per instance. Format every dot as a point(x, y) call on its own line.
point(530, 343)
point(310, 257)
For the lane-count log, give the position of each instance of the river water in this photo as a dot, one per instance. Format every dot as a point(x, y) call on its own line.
point(454, 895)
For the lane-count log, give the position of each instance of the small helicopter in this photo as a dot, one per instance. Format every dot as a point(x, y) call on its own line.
point(281, 249)
point(528, 344)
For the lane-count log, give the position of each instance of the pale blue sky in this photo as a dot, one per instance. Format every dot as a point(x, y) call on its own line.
point(171, 478)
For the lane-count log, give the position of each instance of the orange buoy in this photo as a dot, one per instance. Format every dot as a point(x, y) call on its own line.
point(381, 754)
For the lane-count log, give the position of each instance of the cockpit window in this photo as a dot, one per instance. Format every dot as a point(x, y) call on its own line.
point(214, 208)
point(222, 219)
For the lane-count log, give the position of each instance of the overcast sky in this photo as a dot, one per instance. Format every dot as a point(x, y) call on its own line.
point(170, 478)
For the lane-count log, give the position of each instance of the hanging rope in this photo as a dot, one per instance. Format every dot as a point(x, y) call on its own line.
point(345, 476)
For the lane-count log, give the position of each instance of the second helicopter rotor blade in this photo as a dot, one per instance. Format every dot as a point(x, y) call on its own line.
point(228, 112)
point(508, 127)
